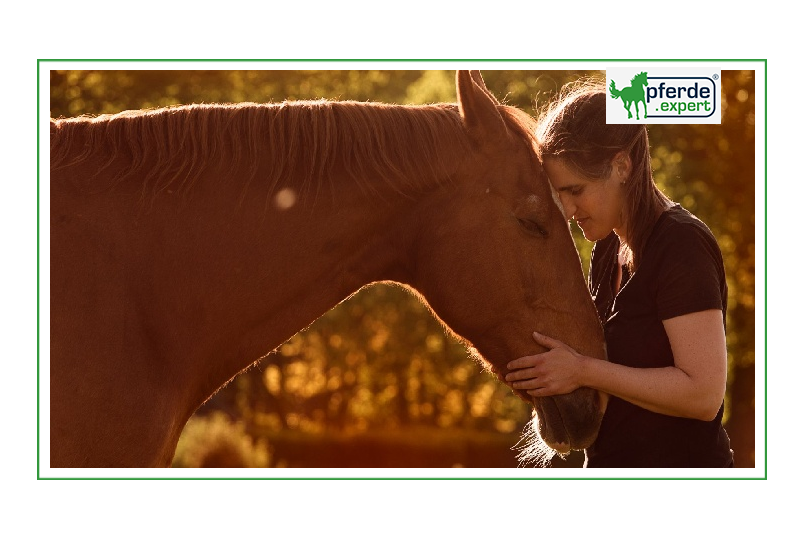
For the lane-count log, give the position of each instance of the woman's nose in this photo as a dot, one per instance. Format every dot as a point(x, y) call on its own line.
point(569, 207)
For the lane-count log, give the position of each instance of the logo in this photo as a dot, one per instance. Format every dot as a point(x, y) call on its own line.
point(633, 94)
point(663, 95)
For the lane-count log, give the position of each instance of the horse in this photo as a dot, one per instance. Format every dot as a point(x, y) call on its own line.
point(635, 93)
point(188, 242)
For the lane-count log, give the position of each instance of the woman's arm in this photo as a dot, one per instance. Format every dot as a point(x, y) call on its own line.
point(693, 388)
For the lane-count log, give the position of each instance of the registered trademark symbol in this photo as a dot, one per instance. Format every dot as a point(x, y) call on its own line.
point(715, 76)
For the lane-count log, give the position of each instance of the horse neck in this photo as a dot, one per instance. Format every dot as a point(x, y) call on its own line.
point(284, 268)
point(345, 242)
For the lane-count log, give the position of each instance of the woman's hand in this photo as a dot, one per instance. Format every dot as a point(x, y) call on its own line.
point(691, 388)
point(556, 371)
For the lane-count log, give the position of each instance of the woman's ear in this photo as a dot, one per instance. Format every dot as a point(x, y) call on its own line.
point(621, 166)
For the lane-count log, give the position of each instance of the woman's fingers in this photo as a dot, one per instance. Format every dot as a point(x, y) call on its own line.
point(528, 384)
point(519, 375)
point(545, 374)
point(522, 362)
point(546, 341)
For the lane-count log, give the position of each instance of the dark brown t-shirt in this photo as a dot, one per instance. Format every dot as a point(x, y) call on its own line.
point(681, 272)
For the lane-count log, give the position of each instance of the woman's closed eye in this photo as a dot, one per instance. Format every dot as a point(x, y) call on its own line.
point(576, 191)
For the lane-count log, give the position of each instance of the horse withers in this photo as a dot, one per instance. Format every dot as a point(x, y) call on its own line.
point(188, 242)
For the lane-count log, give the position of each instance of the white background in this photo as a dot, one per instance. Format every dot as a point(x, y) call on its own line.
point(415, 30)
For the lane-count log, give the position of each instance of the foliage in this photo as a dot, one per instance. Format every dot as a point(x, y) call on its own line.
point(215, 441)
point(380, 361)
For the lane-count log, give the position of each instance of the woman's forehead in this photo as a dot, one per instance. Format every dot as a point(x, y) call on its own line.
point(561, 175)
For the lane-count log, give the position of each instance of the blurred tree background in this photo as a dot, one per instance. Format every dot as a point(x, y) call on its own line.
point(375, 382)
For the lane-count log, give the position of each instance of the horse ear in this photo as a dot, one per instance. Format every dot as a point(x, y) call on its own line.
point(478, 78)
point(478, 107)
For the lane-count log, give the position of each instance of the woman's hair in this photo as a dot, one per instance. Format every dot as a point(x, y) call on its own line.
point(573, 128)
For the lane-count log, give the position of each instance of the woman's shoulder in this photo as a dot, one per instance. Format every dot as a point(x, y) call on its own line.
point(687, 265)
point(677, 226)
point(679, 237)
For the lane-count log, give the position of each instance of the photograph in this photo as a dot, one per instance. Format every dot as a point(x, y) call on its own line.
point(359, 269)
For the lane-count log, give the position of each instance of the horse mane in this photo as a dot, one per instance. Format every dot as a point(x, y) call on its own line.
point(403, 146)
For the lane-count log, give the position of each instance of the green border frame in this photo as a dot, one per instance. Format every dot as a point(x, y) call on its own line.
point(41, 61)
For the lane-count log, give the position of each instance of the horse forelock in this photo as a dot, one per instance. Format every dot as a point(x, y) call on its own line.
point(522, 124)
point(403, 147)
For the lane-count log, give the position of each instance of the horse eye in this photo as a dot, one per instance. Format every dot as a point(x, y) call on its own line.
point(533, 227)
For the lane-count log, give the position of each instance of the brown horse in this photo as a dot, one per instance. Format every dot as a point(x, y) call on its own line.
point(189, 242)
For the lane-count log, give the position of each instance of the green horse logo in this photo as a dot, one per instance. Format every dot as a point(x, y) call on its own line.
point(635, 93)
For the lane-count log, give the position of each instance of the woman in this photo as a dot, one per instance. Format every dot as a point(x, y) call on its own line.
point(658, 281)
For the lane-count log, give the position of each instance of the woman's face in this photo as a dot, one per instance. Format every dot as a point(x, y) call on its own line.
point(597, 205)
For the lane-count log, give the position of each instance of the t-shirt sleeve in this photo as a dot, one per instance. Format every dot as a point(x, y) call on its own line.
point(691, 276)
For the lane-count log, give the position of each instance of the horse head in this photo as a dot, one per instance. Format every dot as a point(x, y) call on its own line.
point(496, 261)
point(642, 78)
